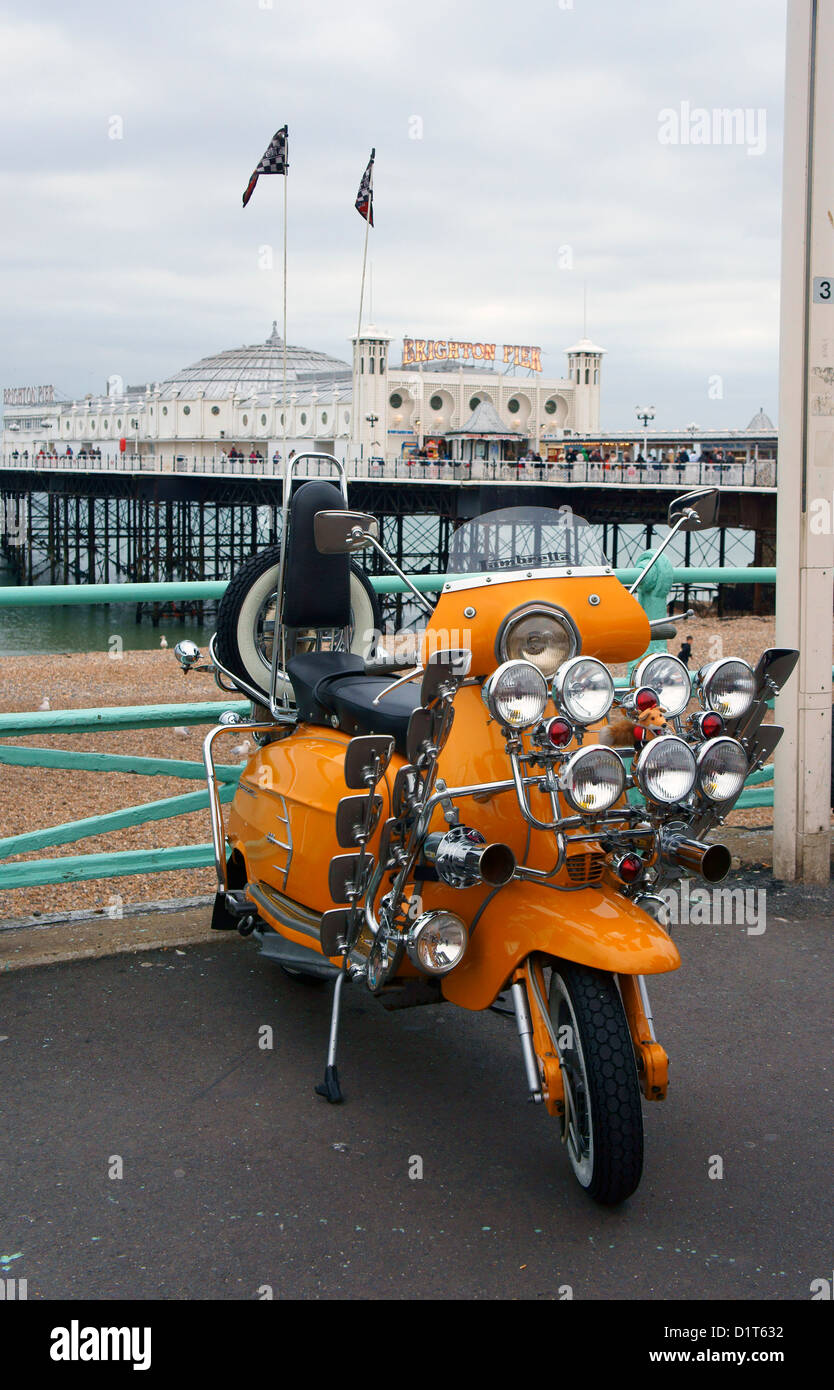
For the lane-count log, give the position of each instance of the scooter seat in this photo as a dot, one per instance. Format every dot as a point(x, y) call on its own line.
point(351, 697)
point(334, 683)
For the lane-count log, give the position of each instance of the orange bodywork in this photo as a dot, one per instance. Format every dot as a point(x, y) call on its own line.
point(595, 926)
point(290, 790)
point(614, 629)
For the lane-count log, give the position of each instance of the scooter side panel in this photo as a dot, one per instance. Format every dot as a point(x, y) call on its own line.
point(301, 776)
point(594, 926)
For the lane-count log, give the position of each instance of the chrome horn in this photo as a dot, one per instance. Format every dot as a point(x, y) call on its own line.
point(712, 862)
point(463, 858)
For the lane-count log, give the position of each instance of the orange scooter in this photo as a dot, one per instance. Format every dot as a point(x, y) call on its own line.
point(466, 821)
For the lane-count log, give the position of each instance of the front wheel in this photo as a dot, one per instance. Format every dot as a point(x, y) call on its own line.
point(605, 1121)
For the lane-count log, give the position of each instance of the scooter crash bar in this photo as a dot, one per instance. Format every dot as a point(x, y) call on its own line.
point(218, 837)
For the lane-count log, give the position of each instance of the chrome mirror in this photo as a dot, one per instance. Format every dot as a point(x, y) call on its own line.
point(763, 745)
point(347, 876)
point(337, 533)
point(187, 653)
point(366, 758)
point(695, 511)
point(775, 667)
point(357, 819)
point(428, 730)
point(443, 674)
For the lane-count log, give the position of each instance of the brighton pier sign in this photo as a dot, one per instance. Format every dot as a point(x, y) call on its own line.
point(449, 350)
point(28, 395)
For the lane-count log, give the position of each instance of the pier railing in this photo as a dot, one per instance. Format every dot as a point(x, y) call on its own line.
point(79, 867)
point(757, 474)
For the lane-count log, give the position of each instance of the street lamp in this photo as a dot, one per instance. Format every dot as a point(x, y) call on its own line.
point(645, 413)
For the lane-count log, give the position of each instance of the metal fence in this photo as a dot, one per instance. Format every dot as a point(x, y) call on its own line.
point(78, 867)
point(757, 474)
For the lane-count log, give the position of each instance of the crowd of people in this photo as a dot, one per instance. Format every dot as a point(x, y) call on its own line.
point(626, 463)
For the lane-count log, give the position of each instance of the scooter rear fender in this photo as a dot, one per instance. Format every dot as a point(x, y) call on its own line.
point(593, 926)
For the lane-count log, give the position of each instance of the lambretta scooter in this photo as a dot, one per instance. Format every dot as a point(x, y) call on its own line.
point(459, 826)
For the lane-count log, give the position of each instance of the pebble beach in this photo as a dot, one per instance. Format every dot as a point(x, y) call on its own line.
point(32, 798)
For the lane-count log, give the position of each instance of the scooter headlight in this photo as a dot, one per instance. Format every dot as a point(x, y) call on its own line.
point(539, 634)
point(665, 770)
point(669, 678)
point(516, 694)
point(722, 768)
point(593, 779)
point(583, 689)
point(436, 942)
point(728, 687)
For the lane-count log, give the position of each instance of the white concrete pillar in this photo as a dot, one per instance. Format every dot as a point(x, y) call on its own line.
point(805, 547)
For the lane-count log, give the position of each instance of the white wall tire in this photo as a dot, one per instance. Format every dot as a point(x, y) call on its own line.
point(247, 608)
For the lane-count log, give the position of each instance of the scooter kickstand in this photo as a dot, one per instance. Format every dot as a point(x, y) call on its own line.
point(330, 1088)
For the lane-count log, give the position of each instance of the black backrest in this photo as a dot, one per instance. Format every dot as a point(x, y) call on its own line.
point(316, 586)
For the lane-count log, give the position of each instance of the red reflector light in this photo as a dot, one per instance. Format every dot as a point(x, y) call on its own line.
point(645, 698)
point(630, 867)
point(712, 725)
point(559, 732)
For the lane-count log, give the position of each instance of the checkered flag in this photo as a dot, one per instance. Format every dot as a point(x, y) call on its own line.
point(273, 162)
point(365, 196)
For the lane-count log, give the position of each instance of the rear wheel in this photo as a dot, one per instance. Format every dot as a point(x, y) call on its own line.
point(246, 618)
point(605, 1120)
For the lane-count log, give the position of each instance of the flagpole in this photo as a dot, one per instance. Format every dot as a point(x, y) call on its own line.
point(357, 361)
point(361, 302)
point(284, 386)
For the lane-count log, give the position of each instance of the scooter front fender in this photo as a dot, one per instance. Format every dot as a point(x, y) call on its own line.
point(593, 926)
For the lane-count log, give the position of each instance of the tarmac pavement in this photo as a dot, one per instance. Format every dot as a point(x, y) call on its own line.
point(235, 1176)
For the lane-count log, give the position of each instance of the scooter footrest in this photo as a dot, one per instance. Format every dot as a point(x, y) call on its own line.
point(295, 956)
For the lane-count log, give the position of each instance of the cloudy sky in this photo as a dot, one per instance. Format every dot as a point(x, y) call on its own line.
point(524, 152)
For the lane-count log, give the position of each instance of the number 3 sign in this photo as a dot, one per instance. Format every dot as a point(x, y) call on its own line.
point(823, 291)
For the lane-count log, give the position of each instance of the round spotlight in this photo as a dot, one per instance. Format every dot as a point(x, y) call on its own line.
point(516, 694)
point(593, 779)
point(583, 689)
point(722, 769)
point(665, 770)
point(539, 634)
point(669, 678)
point(727, 687)
point(436, 942)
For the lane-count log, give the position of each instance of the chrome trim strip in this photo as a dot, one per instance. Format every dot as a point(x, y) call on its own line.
point(289, 913)
point(480, 581)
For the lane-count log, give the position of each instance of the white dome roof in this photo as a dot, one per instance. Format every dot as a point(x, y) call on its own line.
point(257, 370)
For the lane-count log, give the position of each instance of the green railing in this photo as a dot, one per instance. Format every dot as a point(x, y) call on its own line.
point(116, 864)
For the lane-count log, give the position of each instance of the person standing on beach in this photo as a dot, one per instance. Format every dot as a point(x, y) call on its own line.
point(685, 652)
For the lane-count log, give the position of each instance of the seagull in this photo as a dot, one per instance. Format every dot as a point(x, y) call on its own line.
point(163, 641)
point(242, 749)
point(181, 730)
point(44, 704)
